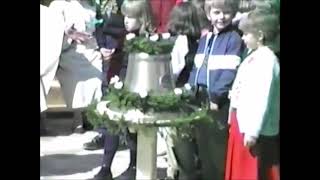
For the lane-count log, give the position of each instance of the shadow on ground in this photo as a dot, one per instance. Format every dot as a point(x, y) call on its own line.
point(67, 164)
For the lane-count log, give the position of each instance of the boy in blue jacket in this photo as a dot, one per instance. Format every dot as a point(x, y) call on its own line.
point(215, 67)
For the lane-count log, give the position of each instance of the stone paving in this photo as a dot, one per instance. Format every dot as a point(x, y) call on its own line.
point(62, 156)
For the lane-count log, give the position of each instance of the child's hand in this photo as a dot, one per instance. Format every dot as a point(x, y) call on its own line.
point(107, 53)
point(77, 36)
point(249, 141)
point(213, 106)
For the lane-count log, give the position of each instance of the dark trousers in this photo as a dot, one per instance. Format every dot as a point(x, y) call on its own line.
point(267, 151)
point(185, 151)
point(210, 144)
point(111, 145)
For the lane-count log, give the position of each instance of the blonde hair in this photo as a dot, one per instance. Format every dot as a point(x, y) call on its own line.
point(139, 9)
point(266, 23)
point(232, 4)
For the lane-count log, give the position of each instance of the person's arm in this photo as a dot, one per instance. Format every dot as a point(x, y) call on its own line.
point(179, 51)
point(230, 61)
point(255, 94)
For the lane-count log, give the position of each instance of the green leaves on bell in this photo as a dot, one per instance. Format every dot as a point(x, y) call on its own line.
point(142, 44)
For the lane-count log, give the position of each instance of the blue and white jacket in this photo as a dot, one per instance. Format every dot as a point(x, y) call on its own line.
point(224, 58)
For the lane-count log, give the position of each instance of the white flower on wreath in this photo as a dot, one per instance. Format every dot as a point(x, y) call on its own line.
point(118, 85)
point(187, 86)
point(114, 79)
point(130, 36)
point(113, 115)
point(154, 37)
point(102, 107)
point(134, 115)
point(165, 35)
point(143, 93)
point(177, 91)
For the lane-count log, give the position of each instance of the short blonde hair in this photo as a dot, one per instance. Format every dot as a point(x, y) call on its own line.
point(139, 9)
point(258, 21)
point(232, 4)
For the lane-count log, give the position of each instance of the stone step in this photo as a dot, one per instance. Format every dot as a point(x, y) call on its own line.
point(55, 100)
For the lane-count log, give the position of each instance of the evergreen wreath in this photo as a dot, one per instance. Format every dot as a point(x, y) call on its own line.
point(174, 109)
point(154, 45)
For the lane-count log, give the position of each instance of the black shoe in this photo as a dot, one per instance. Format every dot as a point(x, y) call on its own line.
point(103, 174)
point(129, 174)
point(96, 143)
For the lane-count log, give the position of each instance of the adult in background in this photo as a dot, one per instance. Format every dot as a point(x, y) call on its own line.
point(51, 36)
point(80, 66)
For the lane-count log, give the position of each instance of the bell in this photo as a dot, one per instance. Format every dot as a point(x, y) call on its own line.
point(149, 72)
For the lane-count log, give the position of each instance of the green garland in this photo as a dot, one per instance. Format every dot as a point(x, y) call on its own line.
point(184, 124)
point(142, 44)
point(122, 99)
point(181, 104)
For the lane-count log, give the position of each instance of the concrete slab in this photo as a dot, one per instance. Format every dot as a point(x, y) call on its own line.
point(62, 157)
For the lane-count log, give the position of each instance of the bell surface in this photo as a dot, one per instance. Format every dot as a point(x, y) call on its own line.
point(149, 72)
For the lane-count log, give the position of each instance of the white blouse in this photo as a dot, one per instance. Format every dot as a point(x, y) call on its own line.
point(256, 93)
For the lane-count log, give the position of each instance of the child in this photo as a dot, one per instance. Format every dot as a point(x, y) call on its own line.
point(137, 19)
point(110, 35)
point(255, 97)
point(212, 76)
point(184, 25)
point(185, 28)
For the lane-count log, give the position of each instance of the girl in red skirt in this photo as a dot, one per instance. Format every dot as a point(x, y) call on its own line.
point(253, 147)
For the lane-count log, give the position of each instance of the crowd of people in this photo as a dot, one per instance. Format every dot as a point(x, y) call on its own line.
point(227, 50)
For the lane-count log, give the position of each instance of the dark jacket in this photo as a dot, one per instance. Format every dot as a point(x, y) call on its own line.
point(222, 65)
point(110, 35)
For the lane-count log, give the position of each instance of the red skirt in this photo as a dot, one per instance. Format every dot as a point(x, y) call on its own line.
point(241, 163)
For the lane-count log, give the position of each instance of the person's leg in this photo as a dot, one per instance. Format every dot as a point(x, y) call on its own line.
point(111, 144)
point(132, 143)
point(166, 8)
point(130, 173)
point(268, 158)
point(241, 162)
point(185, 153)
point(156, 12)
point(212, 150)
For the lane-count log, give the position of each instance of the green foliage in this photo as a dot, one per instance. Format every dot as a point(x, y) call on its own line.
point(121, 100)
point(143, 44)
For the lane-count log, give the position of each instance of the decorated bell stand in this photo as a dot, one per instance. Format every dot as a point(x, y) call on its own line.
point(147, 100)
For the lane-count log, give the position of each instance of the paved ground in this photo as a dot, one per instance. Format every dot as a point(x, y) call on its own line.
point(62, 156)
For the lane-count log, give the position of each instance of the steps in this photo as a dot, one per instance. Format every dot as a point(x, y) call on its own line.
point(55, 100)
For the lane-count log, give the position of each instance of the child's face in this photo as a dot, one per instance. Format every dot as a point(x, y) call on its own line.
point(251, 40)
point(220, 17)
point(131, 24)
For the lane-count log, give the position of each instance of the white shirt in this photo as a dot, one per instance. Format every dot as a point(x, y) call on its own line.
point(256, 93)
